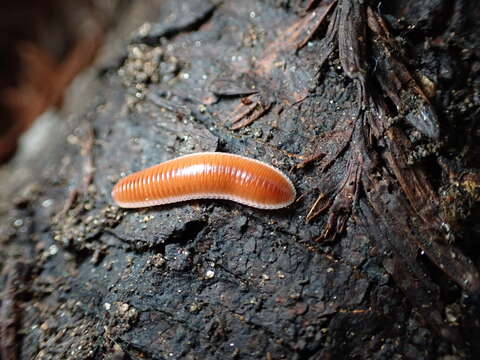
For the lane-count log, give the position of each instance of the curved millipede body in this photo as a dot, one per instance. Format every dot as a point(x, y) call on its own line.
point(206, 175)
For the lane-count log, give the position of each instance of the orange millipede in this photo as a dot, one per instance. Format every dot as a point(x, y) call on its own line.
point(206, 175)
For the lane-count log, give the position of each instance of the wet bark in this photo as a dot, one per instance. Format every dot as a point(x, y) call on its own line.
point(370, 109)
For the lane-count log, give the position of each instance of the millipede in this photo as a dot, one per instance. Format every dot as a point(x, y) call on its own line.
point(206, 175)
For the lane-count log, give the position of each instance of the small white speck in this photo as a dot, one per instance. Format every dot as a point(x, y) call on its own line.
point(186, 76)
point(107, 306)
point(252, 14)
point(446, 226)
point(18, 223)
point(47, 203)
point(209, 274)
point(72, 139)
point(53, 250)
point(136, 52)
point(144, 29)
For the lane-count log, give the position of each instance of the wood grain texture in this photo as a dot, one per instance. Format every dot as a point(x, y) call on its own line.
point(206, 176)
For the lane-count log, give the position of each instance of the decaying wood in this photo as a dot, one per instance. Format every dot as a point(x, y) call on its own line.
point(357, 267)
point(349, 22)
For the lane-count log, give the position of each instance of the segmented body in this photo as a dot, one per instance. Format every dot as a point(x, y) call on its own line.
point(206, 176)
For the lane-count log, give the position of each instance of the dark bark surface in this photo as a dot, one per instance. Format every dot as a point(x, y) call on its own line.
point(369, 262)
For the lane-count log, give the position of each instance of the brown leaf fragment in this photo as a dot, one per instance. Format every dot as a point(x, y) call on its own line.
point(320, 205)
point(352, 39)
point(259, 110)
point(243, 109)
point(342, 205)
point(327, 45)
point(376, 117)
point(397, 82)
point(309, 159)
point(412, 180)
point(312, 22)
point(451, 261)
point(394, 211)
point(341, 202)
point(247, 111)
